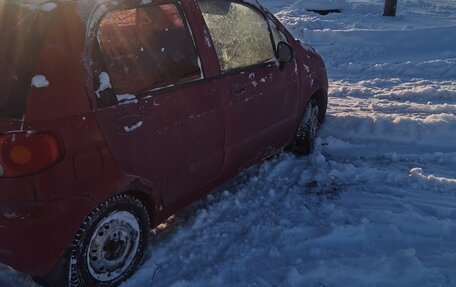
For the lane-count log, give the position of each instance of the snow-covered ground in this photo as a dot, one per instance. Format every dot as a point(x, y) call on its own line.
point(375, 205)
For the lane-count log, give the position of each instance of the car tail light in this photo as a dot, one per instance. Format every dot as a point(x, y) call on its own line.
point(24, 153)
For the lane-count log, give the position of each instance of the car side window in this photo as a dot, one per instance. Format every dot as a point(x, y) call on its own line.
point(142, 49)
point(239, 32)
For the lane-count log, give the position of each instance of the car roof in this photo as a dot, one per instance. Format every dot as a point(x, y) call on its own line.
point(87, 9)
point(86, 6)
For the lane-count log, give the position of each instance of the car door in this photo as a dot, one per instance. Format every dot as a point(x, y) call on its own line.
point(158, 117)
point(262, 97)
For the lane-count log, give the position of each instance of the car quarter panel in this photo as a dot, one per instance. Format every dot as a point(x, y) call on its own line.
point(61, 64)
point(33, 236)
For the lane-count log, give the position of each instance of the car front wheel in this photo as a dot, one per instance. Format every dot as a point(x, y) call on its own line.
point(307, 130)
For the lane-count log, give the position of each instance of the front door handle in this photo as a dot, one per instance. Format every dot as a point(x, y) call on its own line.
point(237, 90)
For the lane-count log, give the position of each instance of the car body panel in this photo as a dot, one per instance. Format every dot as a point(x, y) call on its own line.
point(61, 63)
point(32, 235)
point(260, 112)
point(174, 135)
point(164, 138)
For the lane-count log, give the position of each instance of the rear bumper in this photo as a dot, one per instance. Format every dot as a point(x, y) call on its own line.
point(33, 236)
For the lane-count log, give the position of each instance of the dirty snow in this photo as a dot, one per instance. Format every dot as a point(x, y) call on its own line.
point(320, 4)
point(374, 205)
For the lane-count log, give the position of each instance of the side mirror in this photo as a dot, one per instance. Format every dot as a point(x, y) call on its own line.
point(284, 52)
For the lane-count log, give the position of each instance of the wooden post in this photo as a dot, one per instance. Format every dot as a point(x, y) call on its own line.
point(390, 8)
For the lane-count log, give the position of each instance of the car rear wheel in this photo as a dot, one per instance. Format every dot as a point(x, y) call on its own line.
point(108, 247)
point(307, 130)
point(111, 243)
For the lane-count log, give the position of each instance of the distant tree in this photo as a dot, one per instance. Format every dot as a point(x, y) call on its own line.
point(390, 8)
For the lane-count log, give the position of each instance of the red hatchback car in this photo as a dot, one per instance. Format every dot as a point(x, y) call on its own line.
point(116, 114)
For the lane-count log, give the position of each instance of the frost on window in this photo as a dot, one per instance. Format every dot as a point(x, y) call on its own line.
point(240, 33)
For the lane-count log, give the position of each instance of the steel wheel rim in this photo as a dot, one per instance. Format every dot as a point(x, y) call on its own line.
point(113, 246)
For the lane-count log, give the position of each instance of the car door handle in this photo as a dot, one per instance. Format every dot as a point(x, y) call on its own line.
point(237, 90)
point(129, 124)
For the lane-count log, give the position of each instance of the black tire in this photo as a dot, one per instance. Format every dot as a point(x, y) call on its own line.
point(44, 281)
point(109, 246)
point(304, 141)
point(322, 102)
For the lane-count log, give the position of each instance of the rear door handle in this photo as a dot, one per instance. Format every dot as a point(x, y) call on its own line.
point(129, 124)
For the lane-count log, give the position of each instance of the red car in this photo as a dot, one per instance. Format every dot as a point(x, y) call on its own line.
point(116, 114)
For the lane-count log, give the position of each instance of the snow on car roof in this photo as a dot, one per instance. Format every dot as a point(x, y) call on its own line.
point(44, 5)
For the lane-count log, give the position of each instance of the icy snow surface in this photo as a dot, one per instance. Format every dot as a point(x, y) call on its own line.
point(375, 205)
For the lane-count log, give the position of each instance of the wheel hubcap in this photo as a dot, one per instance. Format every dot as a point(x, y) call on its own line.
point(114, 249)
point(113, 246)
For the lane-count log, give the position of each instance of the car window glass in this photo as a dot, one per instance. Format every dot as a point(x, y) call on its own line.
point(142, 49)
point(239, 32)
point(277, 35)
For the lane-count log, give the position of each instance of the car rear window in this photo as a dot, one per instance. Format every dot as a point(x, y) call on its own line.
point(22, 29)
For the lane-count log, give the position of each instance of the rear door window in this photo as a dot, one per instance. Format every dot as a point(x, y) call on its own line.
point(22, 31)
point(142, 49)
